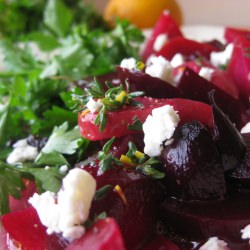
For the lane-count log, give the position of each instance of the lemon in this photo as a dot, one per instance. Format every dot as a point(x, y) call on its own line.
point(141, 13)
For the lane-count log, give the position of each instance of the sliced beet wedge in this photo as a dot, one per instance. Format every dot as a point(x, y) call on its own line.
point(104, 234)
point(151, 86)
point(187, 47)
point(194, 87)
point(230, 142)
point(165, 25)
point(200, 221)
point(192, 165)
point(132, 200)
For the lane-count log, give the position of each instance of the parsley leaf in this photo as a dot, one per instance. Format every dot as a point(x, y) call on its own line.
point(10, 184)
point(63, 141)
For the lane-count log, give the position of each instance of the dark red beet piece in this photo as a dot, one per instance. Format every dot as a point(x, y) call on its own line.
point(152, 86)
point(194, 87)
point(137, 214)
point(165, 25)
point(228, 138)
point(232, 34)
point(239, 67)
point(161, 243)
point(192, 165)
point(197, 221)
point(186, 47)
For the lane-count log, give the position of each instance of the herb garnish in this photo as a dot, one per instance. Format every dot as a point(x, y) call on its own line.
point(113, 99)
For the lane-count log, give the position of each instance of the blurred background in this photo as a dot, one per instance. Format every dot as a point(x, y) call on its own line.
point(212, 12)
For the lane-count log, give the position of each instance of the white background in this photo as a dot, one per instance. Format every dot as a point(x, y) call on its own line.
point(212, 12)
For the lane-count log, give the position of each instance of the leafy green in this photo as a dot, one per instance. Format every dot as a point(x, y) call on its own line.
point(62, 141)
point(10, 184)
point(54, 19)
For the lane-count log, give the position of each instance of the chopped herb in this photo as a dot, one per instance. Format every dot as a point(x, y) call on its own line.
point(141, 162)
point(102, 192)
point(107, 160)
point(137, 124)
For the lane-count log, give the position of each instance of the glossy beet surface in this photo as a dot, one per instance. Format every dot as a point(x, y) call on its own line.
point(134, 207)
point(230, 142)
point(151, 86)
point(194, 87)
point(118, 122)
point(199, 221)
point(192, 165)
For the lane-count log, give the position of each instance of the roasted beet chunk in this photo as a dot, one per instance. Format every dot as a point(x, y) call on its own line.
point(192, 164)
point(230, 142)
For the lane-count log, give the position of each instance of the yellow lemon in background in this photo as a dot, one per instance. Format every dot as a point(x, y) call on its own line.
point(142, 13)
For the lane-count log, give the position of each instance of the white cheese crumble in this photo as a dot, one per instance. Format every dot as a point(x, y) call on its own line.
point(22, 152)
point(161, 68)
point(245, 129)
point(214, 243)
point(206, 73)
point(93, 106)
point(158, 128)
point(222, 58)
point(177, 60)
point(160, 41)
point(128, 63)
point(67, 211)
point(245, 232)
point(63, 169)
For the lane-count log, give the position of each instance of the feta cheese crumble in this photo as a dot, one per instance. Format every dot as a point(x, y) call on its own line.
point(245, 233)
point(222, 58)
point(128, 63)
point(93, 106)
point(161, 68)
point(160, 41)
point(206, 73)
point(158, 128)
point(214, 243)
point(22, 152)
point(66, 211)
point(245, 129)
point(177, 60)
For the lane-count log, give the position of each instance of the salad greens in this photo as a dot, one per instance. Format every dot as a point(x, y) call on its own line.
point(45, 56)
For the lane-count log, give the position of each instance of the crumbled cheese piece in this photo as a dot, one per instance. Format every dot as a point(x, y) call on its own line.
point(214, 243)
point(177, 60)
point(22, 152)
point(245, 129)
point(222, 58)
point(63, 169)
point(159, 127)
point(206, 73)
point(93, 106)
point(67, 211)
point(128, 63)
point(245, 233)
point(161, 68)
point(159, 42)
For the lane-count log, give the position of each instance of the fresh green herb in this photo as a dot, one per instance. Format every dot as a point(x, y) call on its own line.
point(141, 162)
point(102, 192)
point(107, 160)
point(137, 124)
point(10, 184)
point(113, 99)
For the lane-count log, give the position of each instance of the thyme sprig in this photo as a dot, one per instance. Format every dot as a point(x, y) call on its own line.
point(141, 162)
point(114, 98)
